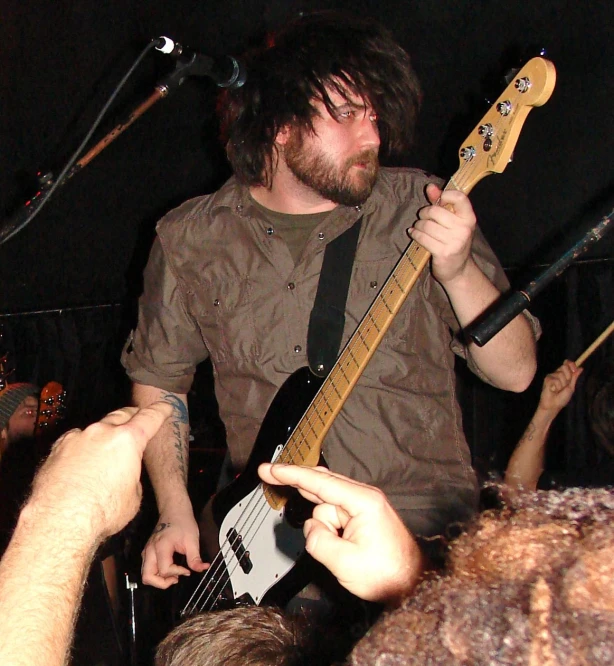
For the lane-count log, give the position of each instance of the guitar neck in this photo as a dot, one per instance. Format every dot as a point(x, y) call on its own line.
point(305, 442)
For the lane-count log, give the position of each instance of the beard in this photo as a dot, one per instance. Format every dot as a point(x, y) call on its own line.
point(341, 184)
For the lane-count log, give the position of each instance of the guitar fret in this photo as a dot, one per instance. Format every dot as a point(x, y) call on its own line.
point(326, 401)
point(317, 411)
point(362, 339)
point(383, 300)
point(370, 315)
point(307, 427)
point(342, 371)
point(307, 420)
point(409, 259)
point(351, 354)
point(332, 383)
point(399, 285)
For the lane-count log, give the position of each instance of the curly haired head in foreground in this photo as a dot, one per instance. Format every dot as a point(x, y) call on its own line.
point(530, 584)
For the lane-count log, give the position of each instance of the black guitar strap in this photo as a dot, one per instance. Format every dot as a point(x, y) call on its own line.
point(327, 318)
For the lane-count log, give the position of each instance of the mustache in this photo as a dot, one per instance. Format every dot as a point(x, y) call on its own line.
point(367, 157)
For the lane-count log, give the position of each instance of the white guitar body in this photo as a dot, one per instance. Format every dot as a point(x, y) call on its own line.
point(272, 545)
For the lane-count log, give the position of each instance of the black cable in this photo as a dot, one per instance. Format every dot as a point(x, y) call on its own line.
point(7, 232)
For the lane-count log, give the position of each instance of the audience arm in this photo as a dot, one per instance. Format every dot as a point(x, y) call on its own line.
point(87, 490)
point(374, 556)
point(527, 461)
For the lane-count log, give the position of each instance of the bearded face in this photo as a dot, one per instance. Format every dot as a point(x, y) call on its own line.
point(343, 180)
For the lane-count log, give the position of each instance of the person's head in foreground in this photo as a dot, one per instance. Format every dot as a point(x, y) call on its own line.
point(243, 636)
point(531, 584)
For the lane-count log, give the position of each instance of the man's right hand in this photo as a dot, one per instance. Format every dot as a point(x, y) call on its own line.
point(175, 532)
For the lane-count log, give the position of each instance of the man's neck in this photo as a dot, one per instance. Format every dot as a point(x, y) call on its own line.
point(288, 195)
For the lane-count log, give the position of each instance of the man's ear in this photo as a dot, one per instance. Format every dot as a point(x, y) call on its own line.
point(282, 136)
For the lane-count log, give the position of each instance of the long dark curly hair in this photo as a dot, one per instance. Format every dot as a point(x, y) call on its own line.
point(316, 53)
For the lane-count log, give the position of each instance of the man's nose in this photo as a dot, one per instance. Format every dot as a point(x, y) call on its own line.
point(369, 132)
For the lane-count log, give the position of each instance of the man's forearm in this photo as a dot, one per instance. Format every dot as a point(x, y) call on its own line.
point(509, 359)
point(41, 585)
point(167, 454)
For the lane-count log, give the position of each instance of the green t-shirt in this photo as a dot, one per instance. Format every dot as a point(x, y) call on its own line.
point(294, 229)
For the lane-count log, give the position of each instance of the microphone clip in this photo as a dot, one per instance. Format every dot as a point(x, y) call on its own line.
point(226, 71)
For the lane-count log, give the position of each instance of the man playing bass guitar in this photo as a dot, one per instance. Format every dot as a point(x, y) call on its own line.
point(233, 275)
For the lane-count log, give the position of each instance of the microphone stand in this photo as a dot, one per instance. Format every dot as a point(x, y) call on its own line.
point(518, 301)
point(26, 213)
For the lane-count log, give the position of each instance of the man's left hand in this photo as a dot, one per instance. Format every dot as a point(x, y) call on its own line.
point(445, 229)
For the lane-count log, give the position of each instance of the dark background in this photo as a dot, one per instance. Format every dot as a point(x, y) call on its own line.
point(68, 282)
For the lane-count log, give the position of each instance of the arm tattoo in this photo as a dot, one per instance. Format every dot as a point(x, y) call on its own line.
point(181, 442)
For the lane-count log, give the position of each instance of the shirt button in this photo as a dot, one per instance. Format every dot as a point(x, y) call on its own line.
point(270, 231)
point(359, 208)
point(321, 235)
point(290, 286)
point(298, 349)
point(373, 284)
point(239, 208)
point(216, 302)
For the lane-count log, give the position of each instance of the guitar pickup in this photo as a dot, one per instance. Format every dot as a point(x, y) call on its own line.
point(242, 555)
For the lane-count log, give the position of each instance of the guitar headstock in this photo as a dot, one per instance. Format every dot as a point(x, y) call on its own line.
point(488, 149)
point(52, 406)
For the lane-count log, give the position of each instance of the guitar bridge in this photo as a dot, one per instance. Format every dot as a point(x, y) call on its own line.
point(242, 555)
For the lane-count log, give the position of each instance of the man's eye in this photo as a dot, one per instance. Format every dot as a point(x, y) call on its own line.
point(346, 114)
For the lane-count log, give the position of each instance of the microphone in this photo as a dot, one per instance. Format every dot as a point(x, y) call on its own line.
point(513, 304)
point(226, 71)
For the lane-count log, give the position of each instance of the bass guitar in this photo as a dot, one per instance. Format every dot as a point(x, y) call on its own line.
point(253, 530)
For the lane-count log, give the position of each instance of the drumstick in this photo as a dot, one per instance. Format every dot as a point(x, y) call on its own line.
point(587, 352)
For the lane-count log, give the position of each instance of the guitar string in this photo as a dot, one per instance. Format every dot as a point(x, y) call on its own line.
point(467, 166)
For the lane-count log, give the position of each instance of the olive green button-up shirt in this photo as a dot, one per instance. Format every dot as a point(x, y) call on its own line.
point(221, 283)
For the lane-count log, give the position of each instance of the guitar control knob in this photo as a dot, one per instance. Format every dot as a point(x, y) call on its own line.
point(523, 84)
point(467, 153)
point(504, 108)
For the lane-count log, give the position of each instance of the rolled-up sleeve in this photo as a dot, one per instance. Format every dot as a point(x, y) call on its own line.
point(166, 346)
